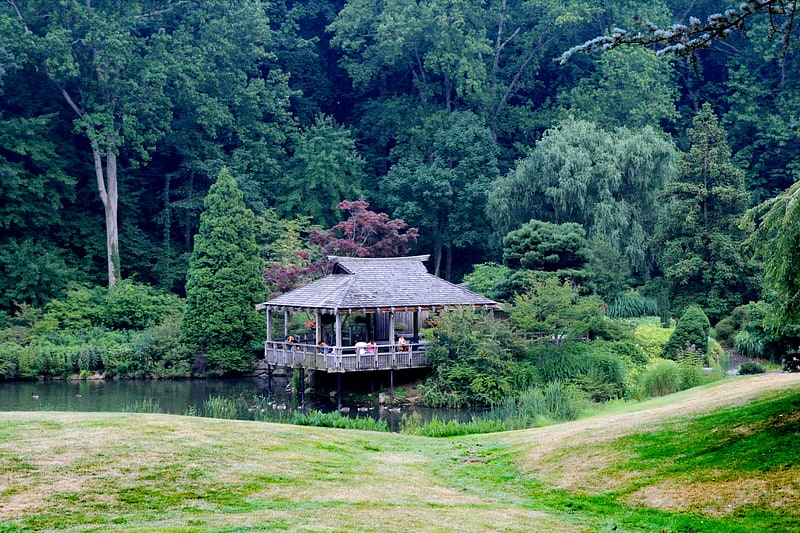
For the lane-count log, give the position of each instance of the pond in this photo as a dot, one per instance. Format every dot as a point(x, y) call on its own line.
point(181, 397)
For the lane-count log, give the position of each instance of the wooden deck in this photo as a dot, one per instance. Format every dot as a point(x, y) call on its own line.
point(344, 359)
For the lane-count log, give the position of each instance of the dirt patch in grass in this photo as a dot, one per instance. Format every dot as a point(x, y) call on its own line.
point(722, 498)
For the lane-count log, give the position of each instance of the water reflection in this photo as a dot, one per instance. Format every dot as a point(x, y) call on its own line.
point(181, 397)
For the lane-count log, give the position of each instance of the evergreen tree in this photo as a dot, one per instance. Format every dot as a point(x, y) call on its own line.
point(540, 250)
point(699, 239)
point(224, 282)
point(692, 330)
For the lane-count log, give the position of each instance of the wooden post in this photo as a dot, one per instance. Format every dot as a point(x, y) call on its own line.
point(339, 391)
point(338, 348)
point(302, 388)
point(392, 346)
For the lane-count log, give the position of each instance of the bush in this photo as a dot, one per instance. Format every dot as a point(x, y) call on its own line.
point(605, 375)
point(652, 338)
point(476, 361)
point(663, 378)
point(562, 363)
point(751, 367)
point(692, 330)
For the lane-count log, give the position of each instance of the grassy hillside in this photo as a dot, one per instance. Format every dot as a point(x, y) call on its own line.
point(718, 458)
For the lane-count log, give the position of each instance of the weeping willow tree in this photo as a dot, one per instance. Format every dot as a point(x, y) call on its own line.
point(604, 180)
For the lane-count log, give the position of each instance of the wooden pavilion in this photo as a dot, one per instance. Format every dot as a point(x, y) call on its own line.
point(355, 315)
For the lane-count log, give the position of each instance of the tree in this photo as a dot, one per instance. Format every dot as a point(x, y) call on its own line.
point(686, 39)
point(440, 184)
point(552, 309)
point(324, 169)
point(629, 87)
point(774, 227)
point(541, 250)
point(604, 181)
point(691, 333)
point(476, 360)
point(365, 233)
point(224, 282)
point(698, 238)
point(107, 63)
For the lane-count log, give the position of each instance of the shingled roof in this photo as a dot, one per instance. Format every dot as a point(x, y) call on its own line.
point(378, 285)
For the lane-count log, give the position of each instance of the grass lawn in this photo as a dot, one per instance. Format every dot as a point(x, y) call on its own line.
point(721, 458)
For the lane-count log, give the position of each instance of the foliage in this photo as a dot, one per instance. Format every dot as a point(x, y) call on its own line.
point(224, 282)
point(127, 306)
point(365, 233)
point(698, 238)
point(533, 407)
point(324, 168)
point(553, 309)
point(751, 367)
point(773, 227)
point(663, 378)
point(726, 329)
point(691, 333)
point(442, 181)
point(606, 181)
point(476, 361)
point(487, 279)
point(337, 420)
point(652, 338)
point(631, 305)
point(560, 249)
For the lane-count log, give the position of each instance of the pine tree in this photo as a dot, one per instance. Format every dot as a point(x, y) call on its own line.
point(224, 282)
point(699, 238)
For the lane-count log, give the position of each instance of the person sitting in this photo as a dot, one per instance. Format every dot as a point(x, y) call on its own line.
point(371, 347)
point(290, 342)
point(402, 345)
point(324, 348)
point(361, 347)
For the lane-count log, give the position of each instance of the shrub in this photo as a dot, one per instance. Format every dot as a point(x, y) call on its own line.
point(476, 361)
point(726, 329)
point(692, 330)
point(652, 338)
point(749, 343)
point(605, 375)
point(563, 362)
point(663, 378)
point(751, 367)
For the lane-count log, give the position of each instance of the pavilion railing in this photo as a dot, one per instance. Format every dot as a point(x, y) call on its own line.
point(345, 358)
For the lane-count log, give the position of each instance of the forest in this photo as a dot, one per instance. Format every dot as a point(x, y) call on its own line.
point(646, 151)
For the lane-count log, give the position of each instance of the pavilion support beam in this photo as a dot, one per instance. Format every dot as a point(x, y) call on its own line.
point(286, 321)
point(338, 390)
point(338, 330)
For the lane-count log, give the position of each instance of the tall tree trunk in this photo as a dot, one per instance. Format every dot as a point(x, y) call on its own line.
point(437, 255)
point(448, 271)
point(107, 187)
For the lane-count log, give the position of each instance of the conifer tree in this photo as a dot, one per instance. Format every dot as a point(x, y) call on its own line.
point(691, 333)
point(699, 239)
point(224, 282)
